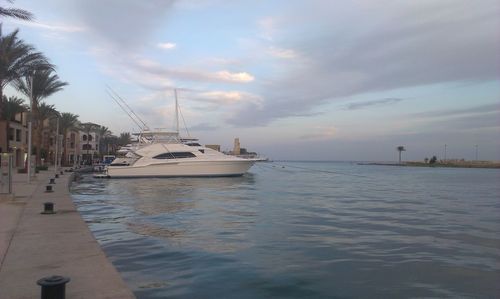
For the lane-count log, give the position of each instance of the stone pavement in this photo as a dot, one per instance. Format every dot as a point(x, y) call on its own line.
point(33, 245)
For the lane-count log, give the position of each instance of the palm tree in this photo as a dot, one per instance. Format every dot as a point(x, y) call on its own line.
point(17, 59)
point(124, 139)
point(38, 85)
point(110, 143)
point(16, 13)
point(88, 128)
point(102, 132)
point(68, 121)
point(12, 106)
point(400, 149)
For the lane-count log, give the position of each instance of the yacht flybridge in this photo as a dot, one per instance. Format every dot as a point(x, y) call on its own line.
point(166, 156)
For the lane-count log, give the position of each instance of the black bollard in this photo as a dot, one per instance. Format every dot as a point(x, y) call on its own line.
point(48, 188)
point(57, 176)
point(53, 287)
point(62, 172)
point(52, 181)
point(48, 208)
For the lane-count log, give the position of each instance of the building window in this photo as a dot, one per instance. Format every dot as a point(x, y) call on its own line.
point(18, 135)
point(90, 137)
point(84, 137)
point(87, 146)
point(11, 134)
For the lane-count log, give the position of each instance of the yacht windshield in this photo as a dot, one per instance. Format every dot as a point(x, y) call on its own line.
point(175, 155)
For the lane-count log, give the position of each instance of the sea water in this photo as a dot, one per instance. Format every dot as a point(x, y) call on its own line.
point(302, 230)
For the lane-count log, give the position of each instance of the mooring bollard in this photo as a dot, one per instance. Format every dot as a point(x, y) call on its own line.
point(62, 172)
point(53, 287)
point(52, 181)
point(57, 176)
point(48, 188)
point(48, 208)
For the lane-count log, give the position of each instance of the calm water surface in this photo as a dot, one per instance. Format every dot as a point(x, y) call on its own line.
point(302, 230)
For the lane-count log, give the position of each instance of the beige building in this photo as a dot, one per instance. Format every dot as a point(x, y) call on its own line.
point(89, 146)
point(17, 139)
point(81, 146)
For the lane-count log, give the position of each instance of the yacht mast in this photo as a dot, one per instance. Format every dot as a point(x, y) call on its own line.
point(176, 112)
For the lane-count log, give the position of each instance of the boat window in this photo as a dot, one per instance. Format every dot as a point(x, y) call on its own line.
point(175, 155)
point(119, 164)
point(202, 151)
point(193, 144)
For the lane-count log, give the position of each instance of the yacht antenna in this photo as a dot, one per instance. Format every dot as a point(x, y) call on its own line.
point(130, 112)
point(176, 112)
point(125, 110)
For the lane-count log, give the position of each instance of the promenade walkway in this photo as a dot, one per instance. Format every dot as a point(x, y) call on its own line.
point(33, 245)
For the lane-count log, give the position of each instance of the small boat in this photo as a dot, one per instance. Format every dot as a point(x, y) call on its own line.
point(167, 156)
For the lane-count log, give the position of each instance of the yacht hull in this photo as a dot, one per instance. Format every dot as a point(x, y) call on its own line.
point(183, 169)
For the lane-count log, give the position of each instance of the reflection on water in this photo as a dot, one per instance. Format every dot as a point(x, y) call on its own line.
point(308, 230)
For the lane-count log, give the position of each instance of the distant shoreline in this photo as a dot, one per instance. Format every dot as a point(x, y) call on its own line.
point(450, 164)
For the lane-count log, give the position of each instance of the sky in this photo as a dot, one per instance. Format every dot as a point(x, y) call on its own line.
point(297, 80)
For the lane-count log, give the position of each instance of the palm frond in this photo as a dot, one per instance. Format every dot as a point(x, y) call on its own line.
point(39, 84)
point(16, 13)
point(12, 106)
point(18, 58)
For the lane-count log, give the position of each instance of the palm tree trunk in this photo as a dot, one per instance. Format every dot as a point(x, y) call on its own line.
point(1, 99)
point(64, 144)
point(38, 127)
point(7, 139)
point(6, 121)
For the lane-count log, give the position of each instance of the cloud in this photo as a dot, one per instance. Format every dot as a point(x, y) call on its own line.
point(320, 133)
point(392, 45)
point(166, 46)
point(242, 77)
point(203, 127)
point(63, 28)
point(124, 24)
point(481, 109)
point(470, 122)
point(226, 97)
point(267, 26)
point(381, 102)
point(222, 96)
point(282, 53)
point(151, 67)
point(152, 75)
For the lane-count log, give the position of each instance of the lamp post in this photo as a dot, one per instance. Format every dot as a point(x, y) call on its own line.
point(57, 146)
point(445, 152)
point(476, 152)
point(30, 119)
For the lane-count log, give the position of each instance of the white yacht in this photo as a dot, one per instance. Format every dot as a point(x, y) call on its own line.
point(166, 156)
